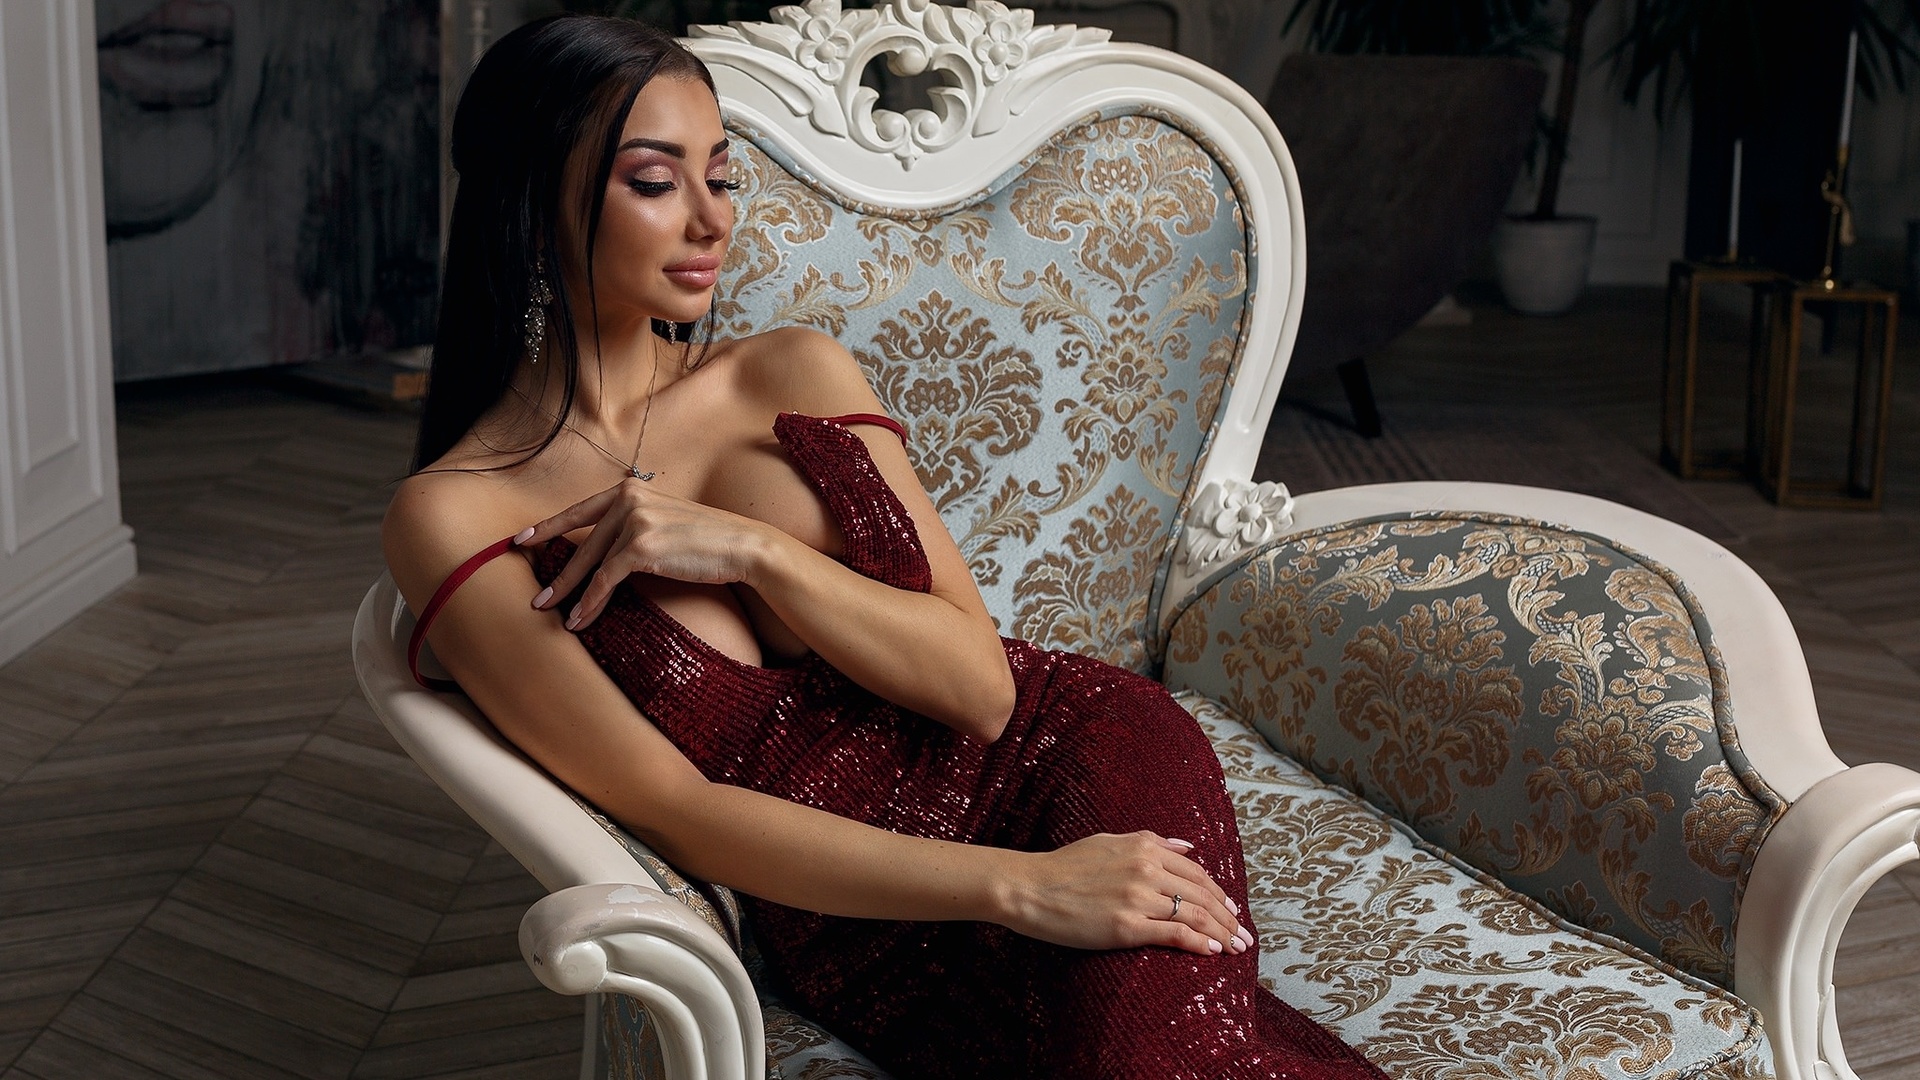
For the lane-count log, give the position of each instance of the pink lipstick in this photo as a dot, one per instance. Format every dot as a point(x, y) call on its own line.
point(699, 272)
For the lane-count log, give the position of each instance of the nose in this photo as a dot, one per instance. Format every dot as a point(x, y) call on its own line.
point(712, 216)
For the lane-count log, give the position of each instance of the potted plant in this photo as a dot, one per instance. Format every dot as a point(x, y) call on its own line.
point(1542, 258)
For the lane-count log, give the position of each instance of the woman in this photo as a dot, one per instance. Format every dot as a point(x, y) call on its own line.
point(740, 628)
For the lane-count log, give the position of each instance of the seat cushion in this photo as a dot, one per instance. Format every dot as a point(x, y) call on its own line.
point(1439, 972)
point(1434, 970)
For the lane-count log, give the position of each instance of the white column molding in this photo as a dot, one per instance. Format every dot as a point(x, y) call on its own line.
point(62, 545)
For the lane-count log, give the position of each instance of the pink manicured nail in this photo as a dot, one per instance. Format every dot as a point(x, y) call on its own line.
point(1234, 944)
point(573, 620)
point(1231, 906)
point(1183, 845)
point(523, 535)
point(1213, 946)
point(1246, 937)
point(546, 594)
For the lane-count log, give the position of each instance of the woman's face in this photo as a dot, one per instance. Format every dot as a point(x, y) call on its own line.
point(668, 212)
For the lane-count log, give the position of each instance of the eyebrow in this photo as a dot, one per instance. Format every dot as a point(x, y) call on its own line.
point(671, 149)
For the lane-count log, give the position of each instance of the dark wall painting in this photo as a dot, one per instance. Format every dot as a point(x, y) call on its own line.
point(271, 177)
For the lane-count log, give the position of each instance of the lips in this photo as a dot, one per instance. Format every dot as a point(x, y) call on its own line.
point(699, 272)
point(176, 56)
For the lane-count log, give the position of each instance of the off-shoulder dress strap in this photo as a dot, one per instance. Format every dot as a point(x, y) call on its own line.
point(887, 422)
point(501, 547)
point(440, 597)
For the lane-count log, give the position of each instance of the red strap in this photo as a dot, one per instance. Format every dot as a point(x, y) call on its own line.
point(887, 422)
point(440, 597)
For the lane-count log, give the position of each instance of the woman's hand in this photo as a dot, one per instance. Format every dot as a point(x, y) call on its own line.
point(640, 530)
point(1115, 892)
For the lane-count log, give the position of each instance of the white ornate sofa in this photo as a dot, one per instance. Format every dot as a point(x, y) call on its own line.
point(1531, 784)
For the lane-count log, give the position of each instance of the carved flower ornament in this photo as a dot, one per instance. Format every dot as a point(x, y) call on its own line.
point(1003, 43)
point(1232, 516)
point(824, 44)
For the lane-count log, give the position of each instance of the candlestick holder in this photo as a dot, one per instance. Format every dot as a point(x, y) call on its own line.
point(1840, 233)
point(1679, 404)
point(1772, 440)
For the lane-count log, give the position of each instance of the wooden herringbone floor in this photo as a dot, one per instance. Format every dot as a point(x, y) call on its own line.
point(214, 863)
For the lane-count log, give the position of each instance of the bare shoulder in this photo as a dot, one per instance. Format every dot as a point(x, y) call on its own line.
point(435, 521)
point(799, 369)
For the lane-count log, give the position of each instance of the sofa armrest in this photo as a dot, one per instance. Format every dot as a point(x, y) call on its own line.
point(587, 936)
point(446, 736)
point(1832, 845)
point(1817, 833)
point(1771, 694)
point(1542, 700)
point(635, 940)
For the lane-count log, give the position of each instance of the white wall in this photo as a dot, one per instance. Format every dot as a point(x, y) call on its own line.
point(62, 545)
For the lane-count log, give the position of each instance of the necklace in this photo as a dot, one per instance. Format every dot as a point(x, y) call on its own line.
point(632, 467)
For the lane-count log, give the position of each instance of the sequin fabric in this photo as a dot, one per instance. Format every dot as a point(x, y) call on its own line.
point(1090, 748)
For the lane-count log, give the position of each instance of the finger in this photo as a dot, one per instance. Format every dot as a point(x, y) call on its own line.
point(599, 590)
point(585, 512)
point(1183, 847)
point(1192, 881)
point(589, 555)
point(1201, 915)
point(1180, 936)
point(1193, 871)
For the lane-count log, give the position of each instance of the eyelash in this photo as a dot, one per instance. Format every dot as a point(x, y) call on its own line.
point(661, 187)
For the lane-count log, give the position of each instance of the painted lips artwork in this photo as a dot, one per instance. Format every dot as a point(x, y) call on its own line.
point(271, 179)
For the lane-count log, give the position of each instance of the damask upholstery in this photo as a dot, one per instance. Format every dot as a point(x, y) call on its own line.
point(1056, 347)
point(1538, 702)
point(1541, 703)
point(1436, 971)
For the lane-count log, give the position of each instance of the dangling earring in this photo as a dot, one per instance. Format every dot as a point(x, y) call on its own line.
point(534, 325)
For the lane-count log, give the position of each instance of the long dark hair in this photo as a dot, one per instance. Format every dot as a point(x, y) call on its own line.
point(536, 97)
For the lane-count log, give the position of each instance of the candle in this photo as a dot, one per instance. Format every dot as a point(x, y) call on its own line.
point(1846, 103)
point(1733, 214)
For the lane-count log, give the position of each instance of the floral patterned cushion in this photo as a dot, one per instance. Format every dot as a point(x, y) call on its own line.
point(1437, 972)
point(1056, 348)
point(1541, 703)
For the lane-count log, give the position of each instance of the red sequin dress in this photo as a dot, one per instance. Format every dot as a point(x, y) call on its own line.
point(1090, 748)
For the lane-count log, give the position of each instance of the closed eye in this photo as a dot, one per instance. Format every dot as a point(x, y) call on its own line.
point(652, 188)
point(723, 185)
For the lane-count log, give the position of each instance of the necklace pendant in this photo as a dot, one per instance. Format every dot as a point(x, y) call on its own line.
point(638, 475)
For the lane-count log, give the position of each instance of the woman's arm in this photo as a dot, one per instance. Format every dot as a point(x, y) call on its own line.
point(936, 653)
point(544, 692)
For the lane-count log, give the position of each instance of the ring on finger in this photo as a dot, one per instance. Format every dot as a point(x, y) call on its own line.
point(1176, 907)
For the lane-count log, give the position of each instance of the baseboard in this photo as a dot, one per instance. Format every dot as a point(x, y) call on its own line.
point(79, 581)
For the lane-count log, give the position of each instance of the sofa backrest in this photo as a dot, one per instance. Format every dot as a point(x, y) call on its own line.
point(1047, 273)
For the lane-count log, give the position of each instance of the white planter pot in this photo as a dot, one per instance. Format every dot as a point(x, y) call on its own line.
point(1543, 263)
